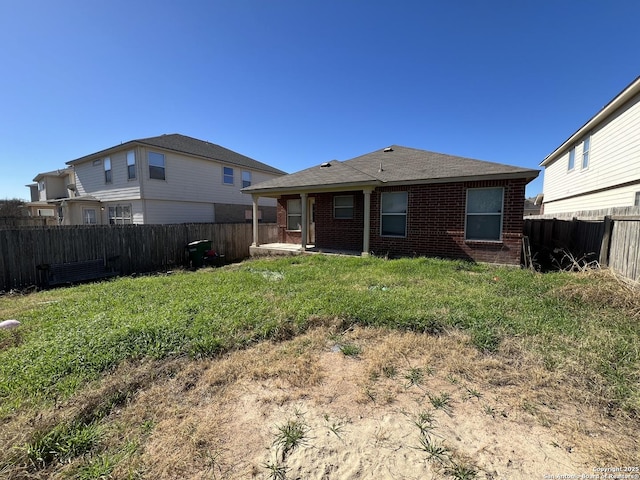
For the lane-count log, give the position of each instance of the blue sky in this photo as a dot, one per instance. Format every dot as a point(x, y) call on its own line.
point(294, 83)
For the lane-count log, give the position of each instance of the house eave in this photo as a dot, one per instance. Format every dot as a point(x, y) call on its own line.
point(627, 94)
point(276, 192)
point(342, 187)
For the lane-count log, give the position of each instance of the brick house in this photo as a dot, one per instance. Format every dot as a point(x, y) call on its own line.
point(401, 201)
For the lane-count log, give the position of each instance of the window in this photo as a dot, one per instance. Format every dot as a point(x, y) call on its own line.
point(393, 214)
point(586, 145)
point(636, 203)
point(89, 216)
point(131, 165)
point(343, 206)
point(45, 212)
point(294, 214)
point(572, 159)
point(246, 179)
point(107, 170)
point(484, 214)
point(41, 185)
point(156, 166)
point(120, 215)
point(227, 175)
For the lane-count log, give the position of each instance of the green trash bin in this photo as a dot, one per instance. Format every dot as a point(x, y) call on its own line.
point(197, 251)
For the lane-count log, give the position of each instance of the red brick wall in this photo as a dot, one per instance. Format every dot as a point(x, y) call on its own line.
point(339, 233)
point(435, 223)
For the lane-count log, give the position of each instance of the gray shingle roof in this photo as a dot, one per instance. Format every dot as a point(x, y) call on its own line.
point(399, 165)
point(192, 146)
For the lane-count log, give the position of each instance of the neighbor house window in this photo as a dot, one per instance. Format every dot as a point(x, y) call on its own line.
point(343, 206)
point(636, 203)
point(120, 215)
point(89, 216)
point(586, 146)
point(131, 165)
point(294, 214)
point(393, 214)
point(41, 185)
point(484, 214)
point(246, 179)
point(572, 159)
point(107, 170)
point(156, 166)
point(227, 175)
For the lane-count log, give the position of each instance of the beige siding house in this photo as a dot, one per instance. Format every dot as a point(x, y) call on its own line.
point(166, 179)
point(598, 166)
point(49, 187)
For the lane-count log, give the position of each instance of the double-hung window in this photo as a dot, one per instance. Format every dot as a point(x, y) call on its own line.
point(484, 214)
point(343, 206)
point(294, 214)
point(227, 175)
point(107, 170)
point(572, 159)
point(120, 215)
point(246, 179)
point(89, 216)
point(586, 146)
point(156, 166)
point(131, 165)
point(393, 214)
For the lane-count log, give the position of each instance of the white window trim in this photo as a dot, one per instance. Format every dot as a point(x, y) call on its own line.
point(124, 220)
point(586, 152)
point(85, 217)
point(108, 172)
point(294, 214)
point(225, 176)
point(571, 165)
point(248, 174)
point(406, 215)
point(345, 207)
point(466, 214)
point(164, 166)
point(135, 172)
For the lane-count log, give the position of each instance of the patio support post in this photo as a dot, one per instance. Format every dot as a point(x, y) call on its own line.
point(367, 222)
point(256, 240)
point(303, 220)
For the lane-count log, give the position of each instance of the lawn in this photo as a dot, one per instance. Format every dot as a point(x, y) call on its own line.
point(72, 340)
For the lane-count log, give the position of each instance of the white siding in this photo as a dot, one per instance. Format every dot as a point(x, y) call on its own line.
point(618, 197)
point(90, 179)
point(191, 179)
point(614, 159)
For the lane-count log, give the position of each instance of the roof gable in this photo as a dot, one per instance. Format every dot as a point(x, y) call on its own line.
point(605, 112)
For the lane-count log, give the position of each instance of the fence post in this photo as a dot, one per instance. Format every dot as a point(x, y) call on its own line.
point(606, 241)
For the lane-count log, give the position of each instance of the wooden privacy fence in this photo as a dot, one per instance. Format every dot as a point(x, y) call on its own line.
point(612, 241)
point(129, 248)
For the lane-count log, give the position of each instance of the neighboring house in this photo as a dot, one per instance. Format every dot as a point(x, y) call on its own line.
point(401, 201)
point(49, 189)
point(598, 166)
point(533, 206)
point(160, 180)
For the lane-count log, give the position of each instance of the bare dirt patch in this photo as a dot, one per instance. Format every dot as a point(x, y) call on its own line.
point(407, 406)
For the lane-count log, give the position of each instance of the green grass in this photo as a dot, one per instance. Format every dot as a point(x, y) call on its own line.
point(71, 336)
